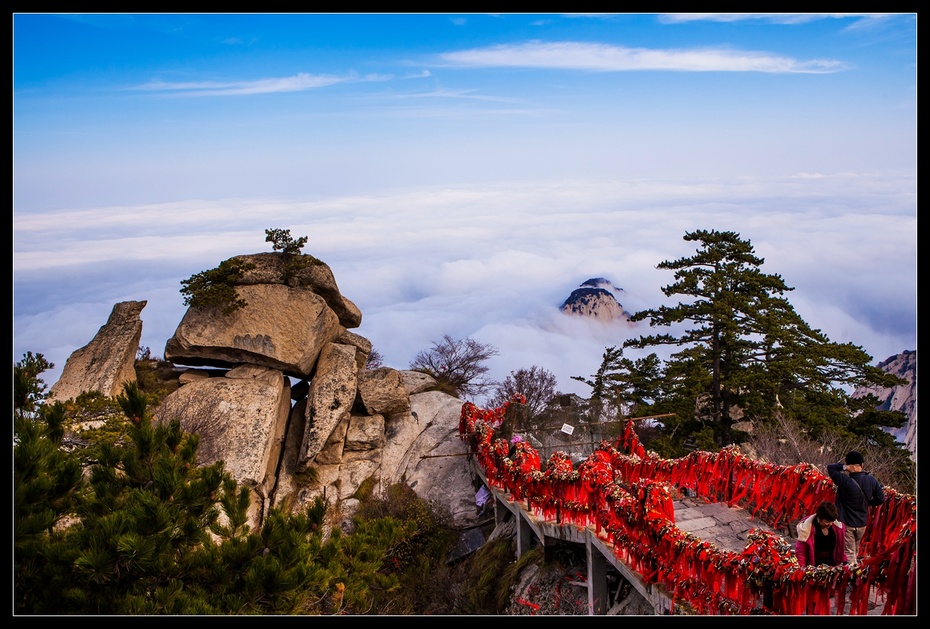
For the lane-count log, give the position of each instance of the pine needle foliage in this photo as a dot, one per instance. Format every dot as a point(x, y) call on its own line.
point(741, 350)
point(290, 247)
point(416, 579)
point(144, 530)
point(488, 580)
point(216, 287)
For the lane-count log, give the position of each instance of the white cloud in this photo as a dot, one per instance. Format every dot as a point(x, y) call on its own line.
point(607, 58)
point(774, 18)
point(490, 261)
point(296, 83)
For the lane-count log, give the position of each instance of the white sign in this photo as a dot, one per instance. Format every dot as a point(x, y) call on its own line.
point(568, 429)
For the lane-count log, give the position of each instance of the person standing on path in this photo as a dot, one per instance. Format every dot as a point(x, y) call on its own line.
point(856, 491)
point(820, 538)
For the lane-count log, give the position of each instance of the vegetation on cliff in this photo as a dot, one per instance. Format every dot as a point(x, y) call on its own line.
point(133, 526)
point(217, 287)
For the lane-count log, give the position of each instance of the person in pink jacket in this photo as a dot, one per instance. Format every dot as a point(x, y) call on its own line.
point(820, 538)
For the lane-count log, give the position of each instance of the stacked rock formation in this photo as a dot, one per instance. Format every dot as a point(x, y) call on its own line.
point(280, 392)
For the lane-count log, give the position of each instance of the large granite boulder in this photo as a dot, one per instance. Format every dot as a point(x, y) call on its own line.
point(423, 450)
point(241, 419)
point(108, 361)
point(360, 343)
point(365, 433)
point(337, 427)
point(418, 382)
point(419, 447)
point(382, 391)
point(280, 328)
point(308, 273)
point(332, 395)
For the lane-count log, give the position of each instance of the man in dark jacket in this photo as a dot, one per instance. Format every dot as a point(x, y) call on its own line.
point(856, 491)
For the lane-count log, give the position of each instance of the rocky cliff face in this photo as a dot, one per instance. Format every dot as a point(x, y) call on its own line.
point(596, 299)
point(280, 392)
point(900, 398)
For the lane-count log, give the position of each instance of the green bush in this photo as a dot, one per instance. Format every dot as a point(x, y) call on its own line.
point(159, 535)
point(216, 287)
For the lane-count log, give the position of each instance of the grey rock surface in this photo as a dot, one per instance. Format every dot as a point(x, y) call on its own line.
point(901, 397)
point(108, 360)
point(281, 328)
point(241, 420)
point(332, 394)
point(595, 299)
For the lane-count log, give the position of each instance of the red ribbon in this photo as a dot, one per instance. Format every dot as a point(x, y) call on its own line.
point(625, 492)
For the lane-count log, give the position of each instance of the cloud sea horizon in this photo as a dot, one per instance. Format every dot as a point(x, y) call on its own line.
point(492, 262)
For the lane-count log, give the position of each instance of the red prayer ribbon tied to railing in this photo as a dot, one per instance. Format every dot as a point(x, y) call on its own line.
point(626, 493)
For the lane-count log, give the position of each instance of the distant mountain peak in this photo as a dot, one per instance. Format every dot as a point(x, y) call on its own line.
point(596, 298)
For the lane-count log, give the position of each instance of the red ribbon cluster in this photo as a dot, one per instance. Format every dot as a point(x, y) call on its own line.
point(626, 493)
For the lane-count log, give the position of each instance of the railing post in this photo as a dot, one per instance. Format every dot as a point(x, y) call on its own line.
point(524, 534)
point(597, 579)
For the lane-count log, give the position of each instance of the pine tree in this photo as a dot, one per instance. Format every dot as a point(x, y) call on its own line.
point(47, 482)
point(29, 390)
point(147, 531)
point(623, 384)
point(747, 347)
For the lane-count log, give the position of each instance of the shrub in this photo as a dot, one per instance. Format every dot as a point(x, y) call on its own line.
point(216, 287)
point(282, 241)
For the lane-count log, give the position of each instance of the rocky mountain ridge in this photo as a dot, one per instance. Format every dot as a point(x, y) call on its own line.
point(279, 390)
point(901, 397)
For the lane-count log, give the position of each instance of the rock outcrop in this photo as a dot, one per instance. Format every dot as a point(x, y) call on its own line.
point(280, 391)
point(108, 361)
point(596, 299)
point(241, 418)
point(899, 398)
point(332, 394)
point(281, 328)
point(312, 275)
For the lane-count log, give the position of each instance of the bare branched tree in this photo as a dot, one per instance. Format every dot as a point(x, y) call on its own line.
point(458, 364)
point(536, 384)
point(375, 360)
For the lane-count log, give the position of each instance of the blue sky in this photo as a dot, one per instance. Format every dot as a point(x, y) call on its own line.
point(462, 173)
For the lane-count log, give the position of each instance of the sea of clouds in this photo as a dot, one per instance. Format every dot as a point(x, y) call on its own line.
point(492, 262)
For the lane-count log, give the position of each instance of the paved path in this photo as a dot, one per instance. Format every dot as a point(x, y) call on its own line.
point(725, 527)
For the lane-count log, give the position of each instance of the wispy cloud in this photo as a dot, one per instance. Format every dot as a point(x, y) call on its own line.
point(773, 18)
point(460, 94)
point(607, 58)
point(297, 83)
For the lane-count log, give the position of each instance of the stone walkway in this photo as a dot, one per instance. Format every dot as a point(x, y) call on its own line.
point(725, 527)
